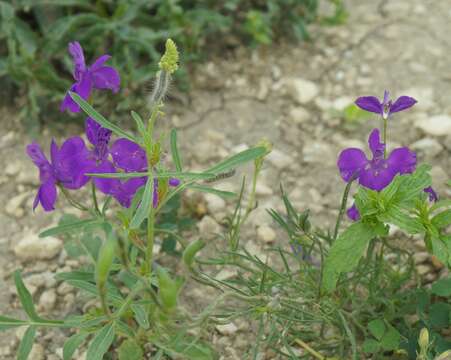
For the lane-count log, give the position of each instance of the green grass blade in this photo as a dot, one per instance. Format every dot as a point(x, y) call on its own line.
point(26, 344)
point(175, 152)
point(90, 111)
point(162, 175)
point(139, 124)
point(238, 159)
point(207, 189)
point(8, 323)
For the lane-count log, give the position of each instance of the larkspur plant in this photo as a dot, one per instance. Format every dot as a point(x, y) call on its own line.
point(137, 313)
point(347, 293)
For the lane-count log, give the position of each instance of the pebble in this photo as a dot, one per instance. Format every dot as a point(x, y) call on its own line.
point(266, 234)
point(423, 269)
point(439, 125)
point(279, 159)
point(47, 300)
point(14, 205)
point(226, 274)
point(299, 115)
point(318, 153)
point(301, 90)
point(37, 352)
point(263, 189)
point(215, 203)
point(227, 329)
point(208, 227)
point(421, 257)
point(31, 247)
point(13, 168)
point(429, 146)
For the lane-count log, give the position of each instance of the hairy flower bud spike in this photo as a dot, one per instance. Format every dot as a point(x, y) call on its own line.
point(161, 87)
point(169, 60)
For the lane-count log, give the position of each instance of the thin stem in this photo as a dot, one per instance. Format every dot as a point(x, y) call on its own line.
point(344, 200)
point(309, 349)
point(73, 202)
point(94, 198)
point(384, 134)
point(150, 239)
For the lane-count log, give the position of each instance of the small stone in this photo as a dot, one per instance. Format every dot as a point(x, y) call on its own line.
point(279, 159)
point(420, 257)
point(214, 203)
point(47, 300)
point(208, 227)
point(428, 146)
point(301, 90)
point(299, 115)
point(436, 263)
point(64, 289)
point(423, 269)
point(263, 189)
point(227, 329)
point(13, 206)
point(32, 247)
point(226, 274)
point(318, 153)
point(37, 352)
point(341, 103)
point(266, 234)
point(13, 168)
point(439, 125)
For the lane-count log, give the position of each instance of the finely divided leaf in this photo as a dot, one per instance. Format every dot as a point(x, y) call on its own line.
point(101, 343)
point(346, 252)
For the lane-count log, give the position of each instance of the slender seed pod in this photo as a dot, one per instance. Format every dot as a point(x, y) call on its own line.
point(191, 251)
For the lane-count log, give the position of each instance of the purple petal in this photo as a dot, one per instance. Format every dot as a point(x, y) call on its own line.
point(369, 103)
point(433, 197)
point(350, 163)
point(76, 52)
point(377, 177)
point(353, 213)
point(402, 103)
point(402, 160)
point(105, 185)
point(83, 89)
point(99, 62)
point(36, 154)
point(46, 196)
point(91, 129)
point(376, 147)
point(106, 78)
point(128, 155)
point(174, 182)
point(386, 98)
point(125, 193)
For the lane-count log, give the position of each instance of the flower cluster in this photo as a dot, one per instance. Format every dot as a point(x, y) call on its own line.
point(379, 171)
point(69, 165)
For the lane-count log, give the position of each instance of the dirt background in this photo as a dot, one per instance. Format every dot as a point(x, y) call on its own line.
point(292, 94)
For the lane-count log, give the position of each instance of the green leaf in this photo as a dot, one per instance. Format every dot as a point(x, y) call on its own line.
point(370, 346)
point(130, 350)
point(89, 110)
point(442, 287)
point(8, 323)
point(175, 152)
point(346, 252)
point(139, 124)
point(146, 202)
point(441, 203)
point(439, 315)
point(72, 344)
point(60, 229)
point(101, 343)
point(397, 217)
point(441, 249)
point(26, 344)
point(377, 328)
point(25, 297)
point(207, 189)
point(141, 316)
point(162, 175)
point(238, 159)
point(391, 339)
point(352, 113)
point(442, 220)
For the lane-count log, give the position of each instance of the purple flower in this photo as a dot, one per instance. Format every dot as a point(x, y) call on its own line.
point(353, 213)
point(87, 78)
point(433, 197)
point(128, 155)
point(386, 107)
point(377, 173)
point(64, 169)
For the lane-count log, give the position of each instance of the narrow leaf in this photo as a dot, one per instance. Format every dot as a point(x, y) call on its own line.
point(25, 297)
point(72, 344)
point(238, 159)
point(144, 208)
point(101, 343)
point(162, 175)
point(174, 151)
point(207, 189)
point(139, 124)
point(89, 110)
point(8, 323)
point(68, 227)
point(26, 344)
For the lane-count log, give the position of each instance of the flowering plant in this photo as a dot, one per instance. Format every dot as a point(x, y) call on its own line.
point(137, 309)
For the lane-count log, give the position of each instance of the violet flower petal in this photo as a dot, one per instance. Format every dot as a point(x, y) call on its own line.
point(105, 185)
point(83, 89)
point(402, 103)
point(124, 194)
point(99, 62)
point(376, 147)
point(402, 160)
point(433, 197)
point(106, 77)
point(174, 182)
point(353, 213)
point(46, 196)
point(377, 178)
point(76, 52)
point(128, 155)
point(91, 129)
point(369, 103)
point(350, 163)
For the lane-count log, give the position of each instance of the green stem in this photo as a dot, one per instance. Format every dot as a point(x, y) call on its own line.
point(344, 200)
point(150, 240)
point(94, 199)
point(384, 134)
point(73, 202)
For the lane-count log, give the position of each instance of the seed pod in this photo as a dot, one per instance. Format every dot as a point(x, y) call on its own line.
point(105, 259)
point(167, 290)
point(191, 251)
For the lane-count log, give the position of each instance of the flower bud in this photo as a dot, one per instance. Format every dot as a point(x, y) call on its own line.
point(191, 251)
point(423, 340)
point(444, 356)
point(169, 60)
point(265, 143)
